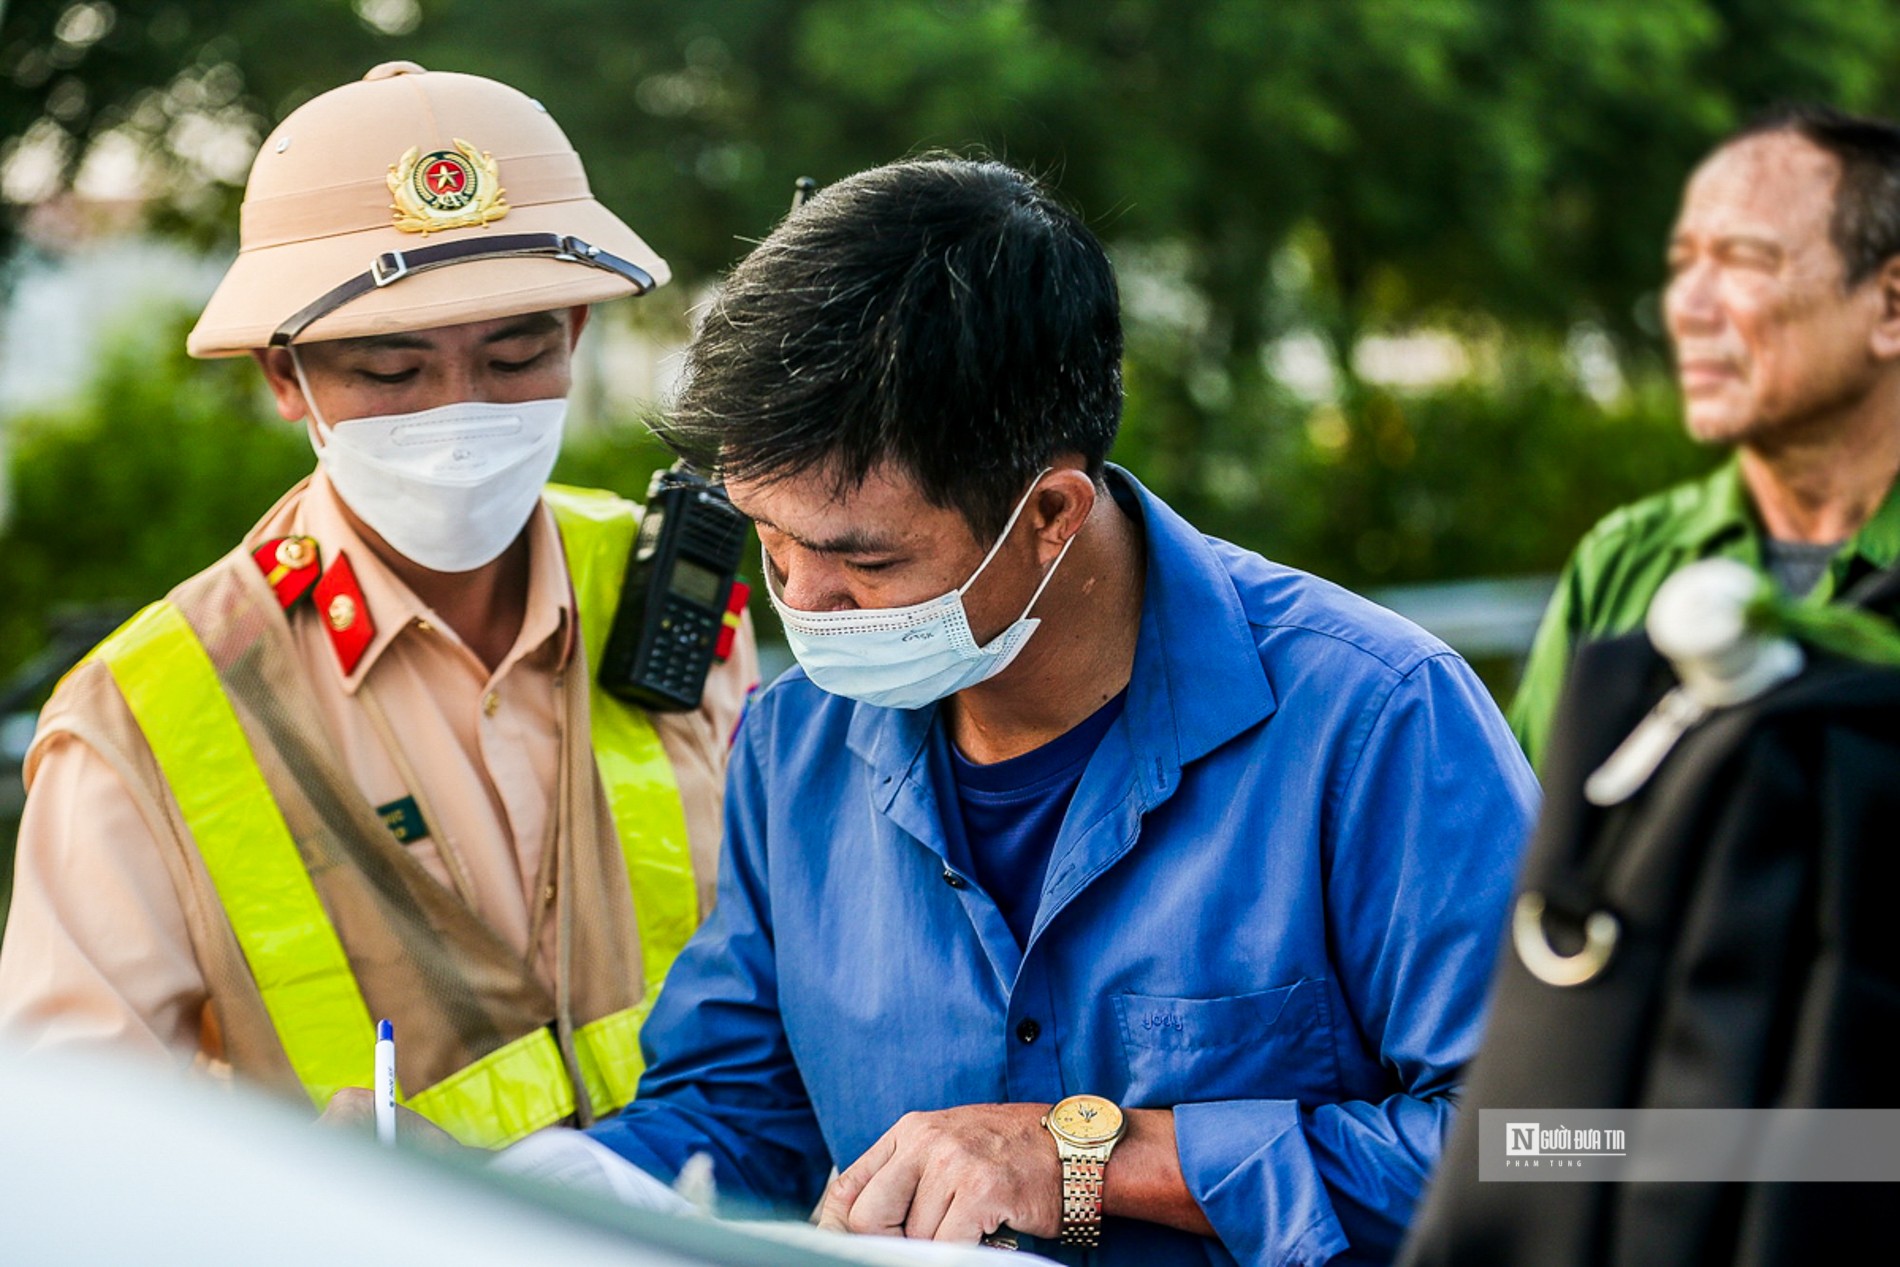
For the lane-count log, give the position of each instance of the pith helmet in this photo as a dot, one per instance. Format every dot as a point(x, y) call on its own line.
point(410, 200)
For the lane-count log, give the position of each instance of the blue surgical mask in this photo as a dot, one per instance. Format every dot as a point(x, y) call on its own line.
point(907, 657)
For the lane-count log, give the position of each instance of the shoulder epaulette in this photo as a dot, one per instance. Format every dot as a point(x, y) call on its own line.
point(291, 565)
point(345, 614)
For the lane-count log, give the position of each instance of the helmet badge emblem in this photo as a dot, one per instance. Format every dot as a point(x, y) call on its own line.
point(458, 188)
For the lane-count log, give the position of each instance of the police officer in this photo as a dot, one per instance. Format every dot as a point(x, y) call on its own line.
point(359, 767)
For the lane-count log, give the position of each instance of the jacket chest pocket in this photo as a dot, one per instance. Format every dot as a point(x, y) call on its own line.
point(1270, 1045)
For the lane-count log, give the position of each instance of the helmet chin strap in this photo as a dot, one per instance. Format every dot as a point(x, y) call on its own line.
point(392, 266)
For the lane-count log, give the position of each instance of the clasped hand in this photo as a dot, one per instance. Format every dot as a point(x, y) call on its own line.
point(953, 1175)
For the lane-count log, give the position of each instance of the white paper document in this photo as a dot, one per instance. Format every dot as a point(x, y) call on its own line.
point(573, 1159)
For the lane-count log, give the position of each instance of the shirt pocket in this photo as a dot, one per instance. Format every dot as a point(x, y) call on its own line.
point(1269, 1045)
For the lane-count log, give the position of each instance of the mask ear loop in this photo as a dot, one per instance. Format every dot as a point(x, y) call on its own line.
point(319, 429)
point(1003, 536)
point(1048, 576)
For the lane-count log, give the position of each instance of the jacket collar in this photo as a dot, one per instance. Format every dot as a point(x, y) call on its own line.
point(1878, 541)
point(1720, 509)
point(1723, 511)
point(313, 509)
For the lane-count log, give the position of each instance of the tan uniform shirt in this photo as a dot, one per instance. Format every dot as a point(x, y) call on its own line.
point(97, 949)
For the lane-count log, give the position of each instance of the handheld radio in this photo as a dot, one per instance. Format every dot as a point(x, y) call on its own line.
point(680, 601)
point(677, 611)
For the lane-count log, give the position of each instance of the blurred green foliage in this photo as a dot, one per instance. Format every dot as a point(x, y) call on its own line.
point(1516, 156)
point(1494, 476)
point(145, 478)
point(1315, 169)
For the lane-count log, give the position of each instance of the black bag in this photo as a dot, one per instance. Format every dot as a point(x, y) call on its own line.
point(1756, 879)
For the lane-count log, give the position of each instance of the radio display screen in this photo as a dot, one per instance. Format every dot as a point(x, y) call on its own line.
point(691, 581)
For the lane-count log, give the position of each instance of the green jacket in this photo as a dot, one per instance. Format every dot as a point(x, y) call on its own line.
point(1617, 568)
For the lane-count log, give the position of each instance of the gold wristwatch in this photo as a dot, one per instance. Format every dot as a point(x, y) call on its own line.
point(1086, 1129)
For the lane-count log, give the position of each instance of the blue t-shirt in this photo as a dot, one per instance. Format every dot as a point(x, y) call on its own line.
point(1012, 811)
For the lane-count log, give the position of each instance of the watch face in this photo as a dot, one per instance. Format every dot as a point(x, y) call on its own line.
point(1086, 1119)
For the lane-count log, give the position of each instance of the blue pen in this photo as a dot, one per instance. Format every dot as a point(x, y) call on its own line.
point(385, 1082)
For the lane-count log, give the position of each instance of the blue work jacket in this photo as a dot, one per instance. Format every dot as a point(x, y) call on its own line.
point(1272, 907)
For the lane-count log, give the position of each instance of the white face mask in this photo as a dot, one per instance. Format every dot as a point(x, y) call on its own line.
point(907, 657)
point(449, 488)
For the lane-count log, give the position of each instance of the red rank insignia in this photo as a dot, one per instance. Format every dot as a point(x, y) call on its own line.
point(290, 566)
point(729, 626)
point(345, 615)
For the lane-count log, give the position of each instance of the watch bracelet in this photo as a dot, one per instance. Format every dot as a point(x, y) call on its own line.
point(1082, 1183)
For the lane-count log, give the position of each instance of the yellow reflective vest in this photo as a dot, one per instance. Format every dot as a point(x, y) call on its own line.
point(511, 1084)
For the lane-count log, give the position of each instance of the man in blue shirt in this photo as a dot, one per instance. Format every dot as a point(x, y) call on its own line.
point(1091, 880)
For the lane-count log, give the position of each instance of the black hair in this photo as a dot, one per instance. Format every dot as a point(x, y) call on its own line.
point(946, 315)
point(1865, 226)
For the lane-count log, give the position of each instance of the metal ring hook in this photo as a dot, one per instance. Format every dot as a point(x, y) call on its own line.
point(1545, 962)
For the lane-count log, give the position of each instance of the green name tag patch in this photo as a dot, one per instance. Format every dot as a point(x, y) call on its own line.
point(404, 820)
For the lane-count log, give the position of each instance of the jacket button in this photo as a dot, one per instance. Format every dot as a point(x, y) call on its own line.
point(1029, 1031)
point(954, 880)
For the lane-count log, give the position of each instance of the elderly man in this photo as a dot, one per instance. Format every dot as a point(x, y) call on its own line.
point(1090, 880)
point(1783, 306)
point(360, 767)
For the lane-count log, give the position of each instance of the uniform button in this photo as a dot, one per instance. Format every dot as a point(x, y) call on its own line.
point(490, 702)
point(1029, 1031)
point(342, 613)
point(950, 877)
